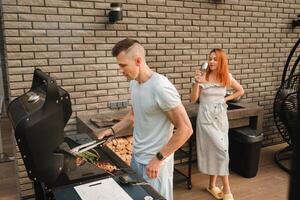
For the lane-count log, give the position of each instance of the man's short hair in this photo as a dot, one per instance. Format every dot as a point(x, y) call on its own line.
point(123, 45)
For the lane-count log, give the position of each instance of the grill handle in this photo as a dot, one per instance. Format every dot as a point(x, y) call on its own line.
point(42, 80)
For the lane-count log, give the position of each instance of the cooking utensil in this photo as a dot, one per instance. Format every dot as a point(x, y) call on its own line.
point(90, 145)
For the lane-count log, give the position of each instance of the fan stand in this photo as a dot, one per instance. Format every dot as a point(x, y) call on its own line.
point(284, 154)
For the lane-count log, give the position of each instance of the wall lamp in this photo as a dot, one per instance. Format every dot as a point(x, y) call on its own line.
point(296, 22)
point(115, 13)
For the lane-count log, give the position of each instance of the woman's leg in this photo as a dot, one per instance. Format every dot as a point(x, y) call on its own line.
point(213, 189)
point(212, 181)
point(226, 186)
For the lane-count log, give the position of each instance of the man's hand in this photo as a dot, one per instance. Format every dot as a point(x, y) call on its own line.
point(102, 134)
point(153, 167)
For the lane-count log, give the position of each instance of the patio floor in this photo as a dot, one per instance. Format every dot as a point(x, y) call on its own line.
point(270, 183)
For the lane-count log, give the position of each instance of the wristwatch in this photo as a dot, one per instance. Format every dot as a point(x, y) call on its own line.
point(159, 156)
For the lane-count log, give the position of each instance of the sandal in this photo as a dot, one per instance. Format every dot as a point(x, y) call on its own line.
point(228, 196)
point(216, 192)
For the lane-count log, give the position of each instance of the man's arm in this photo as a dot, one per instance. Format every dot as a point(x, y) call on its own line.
point(184, 130)
point(121, 125)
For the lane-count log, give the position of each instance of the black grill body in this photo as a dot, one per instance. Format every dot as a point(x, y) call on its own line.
point(39, 117)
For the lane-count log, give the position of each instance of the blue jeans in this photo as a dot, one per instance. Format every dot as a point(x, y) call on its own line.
point(163, 183)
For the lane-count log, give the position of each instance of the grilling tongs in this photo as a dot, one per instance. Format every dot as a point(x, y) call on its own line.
point(90, 145)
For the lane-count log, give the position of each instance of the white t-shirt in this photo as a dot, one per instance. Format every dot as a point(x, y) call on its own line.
point(152, 128)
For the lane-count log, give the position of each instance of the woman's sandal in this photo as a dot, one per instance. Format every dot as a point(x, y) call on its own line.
point(228, 196)
point(216, 192)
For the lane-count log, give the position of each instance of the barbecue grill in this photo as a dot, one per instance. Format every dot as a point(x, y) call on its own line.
point(39, 117)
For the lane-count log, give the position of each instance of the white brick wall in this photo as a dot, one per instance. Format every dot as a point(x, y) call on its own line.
point(72, 40)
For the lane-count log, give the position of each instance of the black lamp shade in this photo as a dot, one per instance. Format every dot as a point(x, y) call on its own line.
point(115, 13)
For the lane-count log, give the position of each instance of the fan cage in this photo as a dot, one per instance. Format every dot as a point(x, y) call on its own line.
point(286, 108)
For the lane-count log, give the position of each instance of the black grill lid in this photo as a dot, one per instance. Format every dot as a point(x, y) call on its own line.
point(39, 117)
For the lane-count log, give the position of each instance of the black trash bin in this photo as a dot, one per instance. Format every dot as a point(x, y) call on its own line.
point(244, 150)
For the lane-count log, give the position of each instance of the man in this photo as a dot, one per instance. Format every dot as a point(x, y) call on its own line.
point(156, 109)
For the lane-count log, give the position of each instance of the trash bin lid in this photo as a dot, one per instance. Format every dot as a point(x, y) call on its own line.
point(246, 135)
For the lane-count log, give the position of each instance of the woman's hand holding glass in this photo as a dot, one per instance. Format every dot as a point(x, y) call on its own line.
point(200, 76)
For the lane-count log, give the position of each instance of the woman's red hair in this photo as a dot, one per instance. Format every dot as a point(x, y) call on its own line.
point(222, 68)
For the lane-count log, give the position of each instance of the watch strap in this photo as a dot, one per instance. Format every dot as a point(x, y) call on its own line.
point(159, 156)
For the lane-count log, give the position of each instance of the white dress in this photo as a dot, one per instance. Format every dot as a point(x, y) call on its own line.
point(212, 131)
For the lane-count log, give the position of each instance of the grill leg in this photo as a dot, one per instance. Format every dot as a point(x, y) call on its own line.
point(40, 191)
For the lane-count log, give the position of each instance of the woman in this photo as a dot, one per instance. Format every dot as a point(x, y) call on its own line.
point(212, 122)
